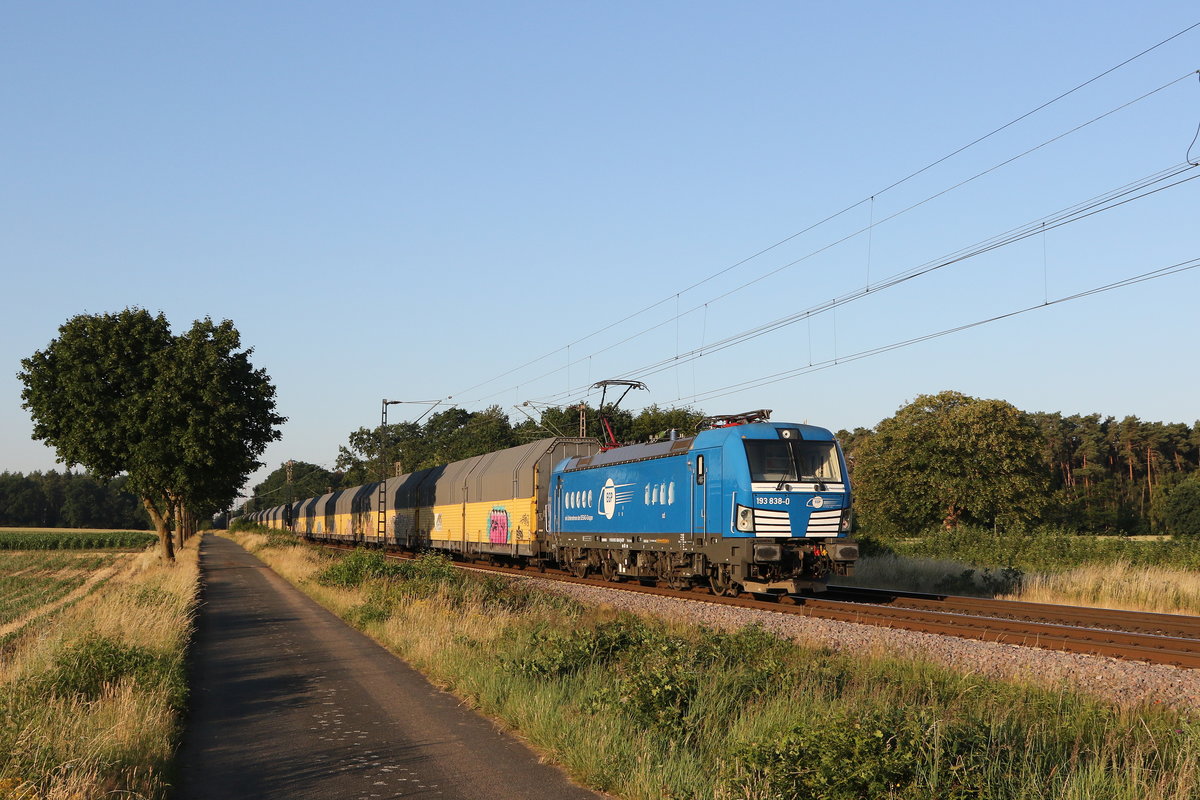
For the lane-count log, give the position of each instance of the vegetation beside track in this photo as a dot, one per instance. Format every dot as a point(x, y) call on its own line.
point(1042, 550)
point(648, 709)
point(90, 695)
point(1154, 574)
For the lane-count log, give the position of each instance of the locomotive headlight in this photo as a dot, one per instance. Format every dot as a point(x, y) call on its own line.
point(846, 519)
point(745, 519)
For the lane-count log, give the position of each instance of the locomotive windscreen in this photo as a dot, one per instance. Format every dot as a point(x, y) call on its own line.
point(780, 460)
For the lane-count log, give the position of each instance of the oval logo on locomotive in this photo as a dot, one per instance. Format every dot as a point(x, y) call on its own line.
point(608, 499)
point(816, 502)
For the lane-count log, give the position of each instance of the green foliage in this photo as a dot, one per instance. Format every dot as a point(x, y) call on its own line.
point(85, 669)
point(84, 389)
point(838, 753)
point(351, 570)
point(1103, 475)
point(1181, 508)
point(52, 500)
point(650, 424)
point(446, 436)
point(82, 540)
point(951, 459)
point(184, 417)
point(553, 652)
point(455, 434)
point(422, 574)
point(658, 675)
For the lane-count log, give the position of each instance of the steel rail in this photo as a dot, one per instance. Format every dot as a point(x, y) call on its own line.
point(1151, 622)
point(1071, 633)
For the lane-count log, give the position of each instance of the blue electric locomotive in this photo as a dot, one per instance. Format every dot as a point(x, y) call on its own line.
point(761, 507)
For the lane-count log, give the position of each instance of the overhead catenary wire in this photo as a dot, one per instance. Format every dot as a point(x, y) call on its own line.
point(765, 380)
point(569, 391)
point(1115, 198)
point(836, 214)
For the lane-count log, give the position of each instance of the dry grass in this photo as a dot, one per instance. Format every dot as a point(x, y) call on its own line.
point(60, 742)
point(1171, 591)
point(986, 738)
point(65, 575)
point(1118, 585)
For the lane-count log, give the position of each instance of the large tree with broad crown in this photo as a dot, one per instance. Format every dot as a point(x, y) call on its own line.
point(185, 417)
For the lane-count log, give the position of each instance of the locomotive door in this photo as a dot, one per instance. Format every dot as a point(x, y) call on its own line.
point(706, 495)
point(555, 522)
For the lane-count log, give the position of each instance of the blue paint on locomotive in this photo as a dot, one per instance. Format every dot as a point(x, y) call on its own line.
point(783, 480)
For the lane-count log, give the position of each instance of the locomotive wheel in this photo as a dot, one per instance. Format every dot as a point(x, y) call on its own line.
point(723, 585)
point(608, 568)
point(579, 568)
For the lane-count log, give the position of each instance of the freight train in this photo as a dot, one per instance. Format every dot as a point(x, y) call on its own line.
point(746, 505)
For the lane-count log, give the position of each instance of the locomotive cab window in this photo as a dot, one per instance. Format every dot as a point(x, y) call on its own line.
point(783, 460)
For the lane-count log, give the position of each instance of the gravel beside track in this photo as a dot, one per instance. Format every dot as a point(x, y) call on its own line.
point(1122, 682)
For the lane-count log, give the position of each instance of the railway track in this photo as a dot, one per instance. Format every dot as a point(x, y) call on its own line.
point(1170, 639)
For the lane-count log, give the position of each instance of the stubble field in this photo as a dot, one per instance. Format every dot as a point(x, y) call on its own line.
point(92, 678)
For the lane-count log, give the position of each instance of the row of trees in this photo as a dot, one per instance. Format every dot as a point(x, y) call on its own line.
point(68, 500)
point(182, 417)
point(947, 459)
point(452, 435)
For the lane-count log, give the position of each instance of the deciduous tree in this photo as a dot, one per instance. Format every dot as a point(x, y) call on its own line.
point(950, 459)
point(185, 417)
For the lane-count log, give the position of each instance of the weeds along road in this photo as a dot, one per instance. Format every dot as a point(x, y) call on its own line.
point(290, 702)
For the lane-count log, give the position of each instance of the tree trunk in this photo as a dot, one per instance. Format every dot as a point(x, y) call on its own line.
point(950, 522)
point(179, 517)
point(162, 525)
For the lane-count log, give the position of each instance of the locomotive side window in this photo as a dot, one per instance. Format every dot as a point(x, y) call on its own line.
point(779, 461)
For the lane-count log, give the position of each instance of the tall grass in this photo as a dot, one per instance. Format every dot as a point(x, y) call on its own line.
point(647, 709)
point(1106, 572)
point(90, 701)
point(1116, 585)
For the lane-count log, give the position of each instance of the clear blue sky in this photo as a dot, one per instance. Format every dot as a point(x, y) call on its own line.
point(407, 200)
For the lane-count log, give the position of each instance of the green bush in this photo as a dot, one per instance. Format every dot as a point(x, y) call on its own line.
point(836, 754)
point(86, 668)
point(554, 652)
point(658, 676)
point(1181, 511)
point(351, 570)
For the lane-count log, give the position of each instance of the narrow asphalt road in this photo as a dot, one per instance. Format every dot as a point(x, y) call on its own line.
point(290, 702)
